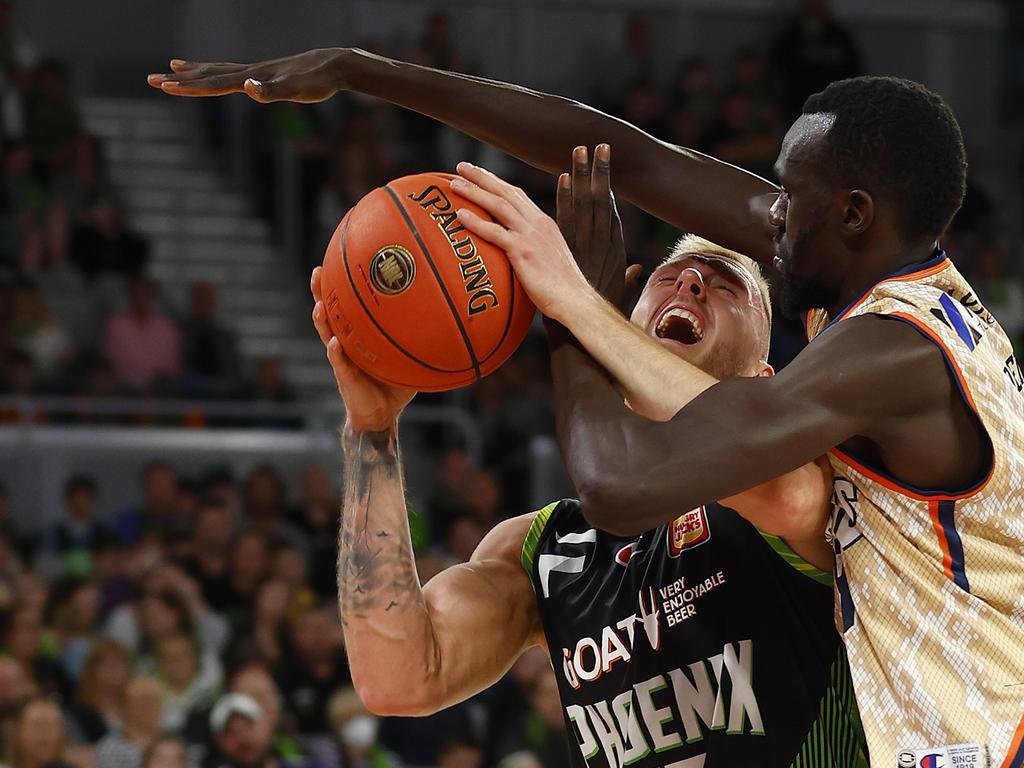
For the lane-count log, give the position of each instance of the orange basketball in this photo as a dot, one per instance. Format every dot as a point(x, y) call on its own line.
point(414, 298)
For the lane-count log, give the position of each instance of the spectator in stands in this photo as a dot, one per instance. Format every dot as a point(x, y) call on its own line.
point(744, 134)
point(99, 705)
point(51, 119)
point(190, 675)
point(812, 50)
point(37, 737)
point(22, 637)
point(269, 385)
point(15, 689)
point(103, 246)
point(542, 732)
point(36, 332)
point(267, 639)
point(314, 670)
point(166, 752)
point(71, 618)
point(210, 552)
point(67, 545)
point(250, 565)
point(143, 345)
point(356, 732)
point(159, 513)
point(210, 356)
point(460, 750)
point(317, 518)
point(266, 510)
point(142, 717)
point(171, 603)
point(23, 202)
point(244, 735)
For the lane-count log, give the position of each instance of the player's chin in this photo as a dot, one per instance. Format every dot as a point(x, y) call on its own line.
point(693, 352)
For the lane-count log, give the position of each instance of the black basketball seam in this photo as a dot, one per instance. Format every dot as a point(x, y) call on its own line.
point(437, 276)
point(511, 310)
point(395, 344)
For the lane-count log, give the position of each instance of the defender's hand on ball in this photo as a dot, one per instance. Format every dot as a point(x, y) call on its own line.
point(530, 238)
point(305, 78)
point(370, 405)
point(590, 224)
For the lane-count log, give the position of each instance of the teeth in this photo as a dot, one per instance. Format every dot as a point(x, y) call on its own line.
point(684, 314)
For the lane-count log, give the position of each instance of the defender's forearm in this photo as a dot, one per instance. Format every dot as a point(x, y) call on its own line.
point(633, 474)
point(686, 188)
point(656, 382)
point(383, 613)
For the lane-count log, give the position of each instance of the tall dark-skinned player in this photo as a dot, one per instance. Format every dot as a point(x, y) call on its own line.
point(706, 641)
point(909, 384)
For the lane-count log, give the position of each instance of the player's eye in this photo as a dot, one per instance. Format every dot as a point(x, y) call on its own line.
point(726, 289)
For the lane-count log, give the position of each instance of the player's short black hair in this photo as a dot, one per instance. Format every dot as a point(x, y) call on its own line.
point(899, 140)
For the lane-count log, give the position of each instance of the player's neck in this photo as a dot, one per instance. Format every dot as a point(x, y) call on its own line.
point(877, 263)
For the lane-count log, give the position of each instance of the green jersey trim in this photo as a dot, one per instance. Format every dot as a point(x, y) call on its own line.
point(533, 537)
point(837, 737)
point(783, 550)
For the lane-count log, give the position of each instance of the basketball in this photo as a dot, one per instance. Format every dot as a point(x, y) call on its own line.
point(415, 299)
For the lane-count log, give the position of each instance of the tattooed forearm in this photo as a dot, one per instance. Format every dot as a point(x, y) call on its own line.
point(376, 566)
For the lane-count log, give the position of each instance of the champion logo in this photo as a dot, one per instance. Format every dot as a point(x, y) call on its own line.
point(627, 553)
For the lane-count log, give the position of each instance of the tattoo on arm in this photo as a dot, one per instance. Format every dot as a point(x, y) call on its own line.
point(376, 566)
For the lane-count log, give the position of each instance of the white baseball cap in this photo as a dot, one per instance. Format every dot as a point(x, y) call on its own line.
point(233, 704)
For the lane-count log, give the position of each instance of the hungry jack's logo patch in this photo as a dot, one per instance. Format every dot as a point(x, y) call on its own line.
point(688, 531)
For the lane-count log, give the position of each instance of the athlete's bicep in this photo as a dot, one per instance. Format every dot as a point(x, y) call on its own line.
point(483, 615)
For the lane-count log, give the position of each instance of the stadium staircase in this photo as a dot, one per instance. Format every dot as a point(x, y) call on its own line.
point(200, 228)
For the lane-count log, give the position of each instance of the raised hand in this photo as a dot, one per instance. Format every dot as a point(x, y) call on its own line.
point(590, 224)
point(530, 238)
point(305, 77)
point(370, 405)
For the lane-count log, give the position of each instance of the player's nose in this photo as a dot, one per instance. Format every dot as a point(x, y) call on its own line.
point(691, 282)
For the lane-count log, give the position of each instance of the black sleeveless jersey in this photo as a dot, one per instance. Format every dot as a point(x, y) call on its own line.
point(704, 642)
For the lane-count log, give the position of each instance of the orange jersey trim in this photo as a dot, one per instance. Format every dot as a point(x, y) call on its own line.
point(928, 272)
point(1014, 751)
point(898, 487)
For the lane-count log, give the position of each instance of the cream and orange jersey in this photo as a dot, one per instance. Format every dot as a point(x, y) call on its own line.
point(930, 585)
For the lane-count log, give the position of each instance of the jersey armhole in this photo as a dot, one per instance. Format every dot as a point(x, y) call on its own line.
point(797, 563)
point(533, 535)
point(890, 482)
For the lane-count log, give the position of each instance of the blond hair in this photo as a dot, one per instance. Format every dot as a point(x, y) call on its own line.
point(694, 245)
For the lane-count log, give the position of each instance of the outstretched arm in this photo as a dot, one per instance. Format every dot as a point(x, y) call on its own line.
point(632, 473)
point(691, 190)
point(406, 643)
point(657, 384)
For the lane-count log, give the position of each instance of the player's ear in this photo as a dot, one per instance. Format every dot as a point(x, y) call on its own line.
point(763, 370)
point(858, 212)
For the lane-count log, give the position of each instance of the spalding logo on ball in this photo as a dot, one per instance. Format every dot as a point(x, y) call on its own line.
point(414, 298)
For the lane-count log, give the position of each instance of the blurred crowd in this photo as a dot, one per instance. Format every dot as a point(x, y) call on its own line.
point(199, 627)
point(78, 314)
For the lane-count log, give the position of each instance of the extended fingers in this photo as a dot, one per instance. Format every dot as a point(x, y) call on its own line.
point(496, 203)
point(601, 190)
point(563, 209)
point(496, 185)
point(491, 231)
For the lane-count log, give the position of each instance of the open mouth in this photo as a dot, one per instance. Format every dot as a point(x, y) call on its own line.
point(680, 325)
